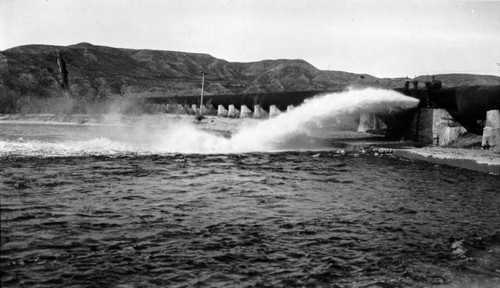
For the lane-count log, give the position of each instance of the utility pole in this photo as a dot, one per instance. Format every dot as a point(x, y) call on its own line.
point(200, 116)
point(203, 73)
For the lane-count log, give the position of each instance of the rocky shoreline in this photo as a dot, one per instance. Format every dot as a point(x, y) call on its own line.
point(472, 159)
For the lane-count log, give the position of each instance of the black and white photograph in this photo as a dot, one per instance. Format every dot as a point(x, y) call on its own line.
point(250, 143)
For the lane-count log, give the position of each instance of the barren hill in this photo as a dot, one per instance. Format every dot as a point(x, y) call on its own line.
point(99, 72)
point(453, 80)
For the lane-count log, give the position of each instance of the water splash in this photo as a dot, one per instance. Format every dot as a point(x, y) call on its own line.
point(327, 110)
point(288, 131)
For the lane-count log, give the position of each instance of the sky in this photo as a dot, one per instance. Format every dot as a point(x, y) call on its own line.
point(383, 38)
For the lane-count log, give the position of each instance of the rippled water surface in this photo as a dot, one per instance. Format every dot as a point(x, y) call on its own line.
point(288, 219)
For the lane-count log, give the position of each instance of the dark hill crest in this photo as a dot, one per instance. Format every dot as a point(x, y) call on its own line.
point(105, 72)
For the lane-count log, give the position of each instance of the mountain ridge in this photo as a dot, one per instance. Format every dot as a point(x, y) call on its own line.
point(102, 72)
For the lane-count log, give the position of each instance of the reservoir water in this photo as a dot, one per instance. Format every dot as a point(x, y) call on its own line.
point(98, 206)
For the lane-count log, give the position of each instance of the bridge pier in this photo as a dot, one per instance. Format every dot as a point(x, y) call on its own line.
point(258, 112)
point(369, 121)
point(221, 111)
point(491, 131)
point(364, 122)
point(193, 109)
point(435, 126)
point(206, 110)
point(233, 112)
point(181, 109)
point(170, 108)
point(245, 112)
point(210, 110)
point(274, 111)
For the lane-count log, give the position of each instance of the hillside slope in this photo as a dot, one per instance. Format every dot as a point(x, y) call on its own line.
point(99, 72)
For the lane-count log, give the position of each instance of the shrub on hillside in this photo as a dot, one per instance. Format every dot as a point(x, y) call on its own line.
point(8, 101)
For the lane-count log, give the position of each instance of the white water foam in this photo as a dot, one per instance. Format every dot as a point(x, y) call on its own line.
point(288, 131)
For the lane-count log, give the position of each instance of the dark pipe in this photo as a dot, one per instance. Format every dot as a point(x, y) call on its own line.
point(467, 104)
point(467, 101)
point(475, 101)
